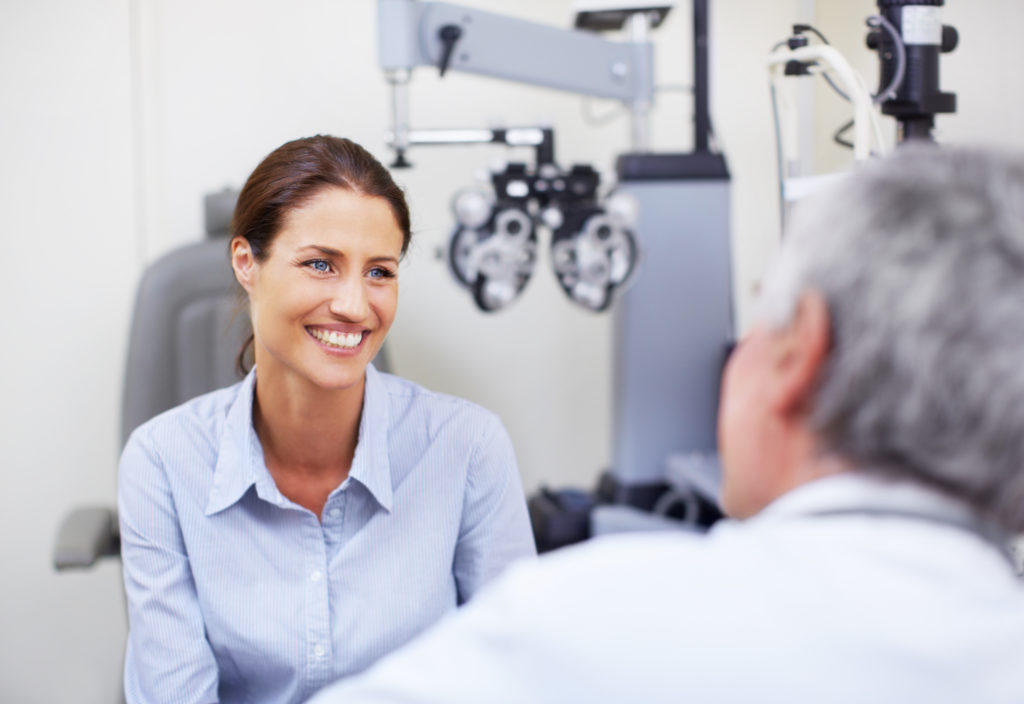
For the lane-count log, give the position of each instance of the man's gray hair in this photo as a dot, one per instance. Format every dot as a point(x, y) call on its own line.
point(920, 258)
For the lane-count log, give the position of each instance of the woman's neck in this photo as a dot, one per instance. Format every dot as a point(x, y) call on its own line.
point(306, 431)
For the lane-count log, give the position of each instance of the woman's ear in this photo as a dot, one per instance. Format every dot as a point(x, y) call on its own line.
point(244, 263)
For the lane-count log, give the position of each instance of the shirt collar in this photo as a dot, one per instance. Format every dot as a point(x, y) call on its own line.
point(858, 493)
point(371, 465)
point(234, 472)
point(851, 490)
point(240, 462)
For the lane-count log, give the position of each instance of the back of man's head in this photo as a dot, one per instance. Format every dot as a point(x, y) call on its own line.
point(920, 259)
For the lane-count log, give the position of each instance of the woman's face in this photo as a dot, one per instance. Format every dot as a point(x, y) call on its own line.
point(325, 296)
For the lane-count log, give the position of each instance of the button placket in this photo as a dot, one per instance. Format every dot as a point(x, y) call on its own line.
point(334, 521)
point(318, 613)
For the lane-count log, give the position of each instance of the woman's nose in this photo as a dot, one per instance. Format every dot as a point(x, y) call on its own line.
point(349, 300)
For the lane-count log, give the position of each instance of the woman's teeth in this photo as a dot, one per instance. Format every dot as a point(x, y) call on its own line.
point(337, 339)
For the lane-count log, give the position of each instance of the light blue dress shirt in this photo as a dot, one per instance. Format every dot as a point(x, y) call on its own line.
point(237, 594)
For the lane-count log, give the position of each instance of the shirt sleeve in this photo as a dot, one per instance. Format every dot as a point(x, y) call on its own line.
point(495, 528)
point(168, 658)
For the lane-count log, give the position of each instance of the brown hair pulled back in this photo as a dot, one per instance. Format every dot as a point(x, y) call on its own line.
point(294, 173)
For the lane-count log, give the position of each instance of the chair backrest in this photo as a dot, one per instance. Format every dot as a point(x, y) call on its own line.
point(187, 327)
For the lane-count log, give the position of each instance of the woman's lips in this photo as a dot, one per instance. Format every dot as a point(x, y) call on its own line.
point(336, 339)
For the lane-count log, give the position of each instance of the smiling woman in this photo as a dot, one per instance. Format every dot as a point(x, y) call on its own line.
point(291, 529)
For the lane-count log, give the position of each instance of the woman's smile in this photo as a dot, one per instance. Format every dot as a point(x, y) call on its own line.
point(338, 340)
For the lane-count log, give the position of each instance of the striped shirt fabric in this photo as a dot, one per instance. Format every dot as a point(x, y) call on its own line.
point(237, 594)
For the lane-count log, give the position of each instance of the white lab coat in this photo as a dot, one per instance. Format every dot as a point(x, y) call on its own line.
point(789, 606)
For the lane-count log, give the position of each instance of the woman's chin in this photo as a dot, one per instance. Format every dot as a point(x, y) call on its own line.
point(340, 379)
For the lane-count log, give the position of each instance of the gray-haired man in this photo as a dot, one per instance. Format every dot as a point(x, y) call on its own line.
point(872, 435)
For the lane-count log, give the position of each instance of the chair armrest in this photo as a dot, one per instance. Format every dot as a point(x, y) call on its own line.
point(86, 535)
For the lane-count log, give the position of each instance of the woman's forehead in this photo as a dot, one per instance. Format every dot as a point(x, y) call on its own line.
point(340, 218)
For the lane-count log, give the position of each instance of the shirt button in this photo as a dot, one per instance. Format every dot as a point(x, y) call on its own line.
point(319, 651)
point(315, 576)
point(334, 512)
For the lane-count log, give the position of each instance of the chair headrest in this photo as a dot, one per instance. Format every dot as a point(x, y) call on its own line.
point(218, 208)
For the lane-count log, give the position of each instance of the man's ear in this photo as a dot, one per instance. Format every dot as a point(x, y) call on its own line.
point(800, 352)
point(243, 262)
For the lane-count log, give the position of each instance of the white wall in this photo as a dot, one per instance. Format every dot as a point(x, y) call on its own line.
point(69, 264)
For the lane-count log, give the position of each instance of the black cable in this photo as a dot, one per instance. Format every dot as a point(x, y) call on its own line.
point(701, 101)
point(838, 136)
point(839, 91)
point(901, 57)
point(798, 28)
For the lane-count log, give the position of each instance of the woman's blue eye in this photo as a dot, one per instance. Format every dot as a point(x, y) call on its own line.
point(379, 272)
point(320, 265)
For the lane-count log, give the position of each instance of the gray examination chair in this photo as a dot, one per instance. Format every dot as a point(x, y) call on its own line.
point(187, 327)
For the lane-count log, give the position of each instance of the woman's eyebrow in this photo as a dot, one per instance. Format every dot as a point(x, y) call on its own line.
point(328, 251)
point(335, 253)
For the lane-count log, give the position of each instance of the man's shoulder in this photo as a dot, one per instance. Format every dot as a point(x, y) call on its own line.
point(702, 574)
point(629, 566)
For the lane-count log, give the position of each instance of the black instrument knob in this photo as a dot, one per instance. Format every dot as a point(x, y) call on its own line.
point(449, 35)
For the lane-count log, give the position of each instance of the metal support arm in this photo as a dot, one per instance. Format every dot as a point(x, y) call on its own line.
point(494, 45)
